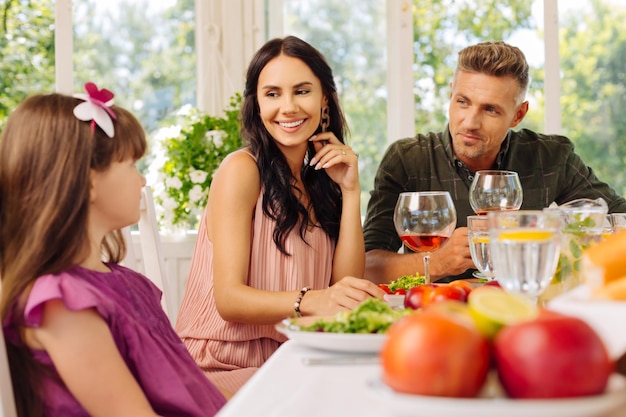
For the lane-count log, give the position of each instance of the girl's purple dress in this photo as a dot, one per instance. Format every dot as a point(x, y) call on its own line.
point(130, 304)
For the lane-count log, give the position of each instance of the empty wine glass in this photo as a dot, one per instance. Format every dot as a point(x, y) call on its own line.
point(495, 190)
point(424, 221)
point(525, 249)
point(478, 236)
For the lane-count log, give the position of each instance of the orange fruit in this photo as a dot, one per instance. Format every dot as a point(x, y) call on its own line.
point(605, 261)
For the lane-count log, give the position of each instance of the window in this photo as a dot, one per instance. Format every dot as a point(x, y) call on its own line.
point(592, 46)
point(141, 50)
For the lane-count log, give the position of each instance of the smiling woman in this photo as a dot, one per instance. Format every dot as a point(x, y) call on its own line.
point(296, 225)
point(290, 98)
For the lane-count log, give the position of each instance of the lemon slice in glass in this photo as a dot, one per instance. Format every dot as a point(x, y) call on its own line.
point(480, 239)
point(492, 308)
point(526, 235)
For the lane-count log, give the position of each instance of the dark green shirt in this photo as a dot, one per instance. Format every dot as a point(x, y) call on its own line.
point(548, 168)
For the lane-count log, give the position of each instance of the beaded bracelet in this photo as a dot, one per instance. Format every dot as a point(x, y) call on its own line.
point(296, 305)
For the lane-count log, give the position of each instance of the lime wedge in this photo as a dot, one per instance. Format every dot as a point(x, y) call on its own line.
point(492, 308)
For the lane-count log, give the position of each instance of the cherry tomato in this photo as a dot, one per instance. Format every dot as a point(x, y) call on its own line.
point(464, 285)
point(385, 288)
point(449, 292)
point(399, 291)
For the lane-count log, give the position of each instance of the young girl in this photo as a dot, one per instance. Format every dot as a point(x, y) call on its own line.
point(281, 234)
point(85, 336)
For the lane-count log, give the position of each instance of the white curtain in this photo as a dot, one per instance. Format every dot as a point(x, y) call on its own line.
point(228, 33)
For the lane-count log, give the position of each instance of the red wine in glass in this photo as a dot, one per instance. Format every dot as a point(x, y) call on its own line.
point(424, 220)
point(423, 243)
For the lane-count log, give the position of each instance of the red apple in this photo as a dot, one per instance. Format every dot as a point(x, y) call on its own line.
point(552, 356)
point(419, 296)
point(493, 283)
point(431, 353)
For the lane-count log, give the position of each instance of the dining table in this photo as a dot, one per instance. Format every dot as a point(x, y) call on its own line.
point(298, 380)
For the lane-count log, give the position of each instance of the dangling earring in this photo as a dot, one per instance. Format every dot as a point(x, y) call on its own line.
point(325, 120)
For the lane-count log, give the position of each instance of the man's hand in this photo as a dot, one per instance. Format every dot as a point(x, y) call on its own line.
point(453, 258)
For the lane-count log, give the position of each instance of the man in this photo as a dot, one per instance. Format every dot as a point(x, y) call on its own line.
point(487, 100)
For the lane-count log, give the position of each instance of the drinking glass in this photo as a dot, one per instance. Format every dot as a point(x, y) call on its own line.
point(478, 235)
point(618, 221)
point(607, 226)
point(582, 225)
point(525, 249)
point(495, 190)
point(424, 221)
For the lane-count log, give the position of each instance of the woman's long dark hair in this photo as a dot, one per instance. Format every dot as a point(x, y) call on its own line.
point(280, 199)
point(46, 156)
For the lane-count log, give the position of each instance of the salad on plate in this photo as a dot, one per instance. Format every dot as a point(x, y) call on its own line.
point(371, 316)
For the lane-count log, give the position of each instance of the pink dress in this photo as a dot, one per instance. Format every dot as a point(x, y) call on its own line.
point(130, 305)
point(229, 352)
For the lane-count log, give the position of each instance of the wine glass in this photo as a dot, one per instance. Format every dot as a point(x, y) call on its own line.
point(478, 236)
point(525, 249)
point(495, 190)
point(424, 221)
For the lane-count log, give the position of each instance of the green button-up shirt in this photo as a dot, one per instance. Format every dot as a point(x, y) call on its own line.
point(548, 168)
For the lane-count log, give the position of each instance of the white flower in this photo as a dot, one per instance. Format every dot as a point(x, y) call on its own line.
point(195, 194)
point(198, 176)
point(174, 182)
point(215, 136)
point(169, 204)
point(169, 132)
point(155, 179)
point(185, 110)
point(168, 216)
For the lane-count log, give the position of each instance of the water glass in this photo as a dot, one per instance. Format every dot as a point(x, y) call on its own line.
point(478, 235)
point(607, 226)
point(525, 247)
point(618, 221)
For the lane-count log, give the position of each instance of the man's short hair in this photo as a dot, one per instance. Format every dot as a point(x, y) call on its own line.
point(497, 59)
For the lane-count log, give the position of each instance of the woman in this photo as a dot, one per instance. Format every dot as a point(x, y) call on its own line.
point(281, 234)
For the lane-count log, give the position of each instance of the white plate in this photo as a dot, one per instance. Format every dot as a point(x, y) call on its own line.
point(394, 300)
point(335, 342)
point(407, 405)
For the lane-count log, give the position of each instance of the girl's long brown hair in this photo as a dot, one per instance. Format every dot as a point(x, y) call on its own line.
point(46, 155)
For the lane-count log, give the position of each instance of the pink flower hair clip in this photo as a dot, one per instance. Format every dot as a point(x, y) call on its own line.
point(96, 108)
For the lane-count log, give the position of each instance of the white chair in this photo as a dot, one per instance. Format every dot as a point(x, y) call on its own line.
point(151, 252)
point(7, 399)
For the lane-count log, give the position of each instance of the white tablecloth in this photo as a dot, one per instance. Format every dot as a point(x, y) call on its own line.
point(286, 387)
